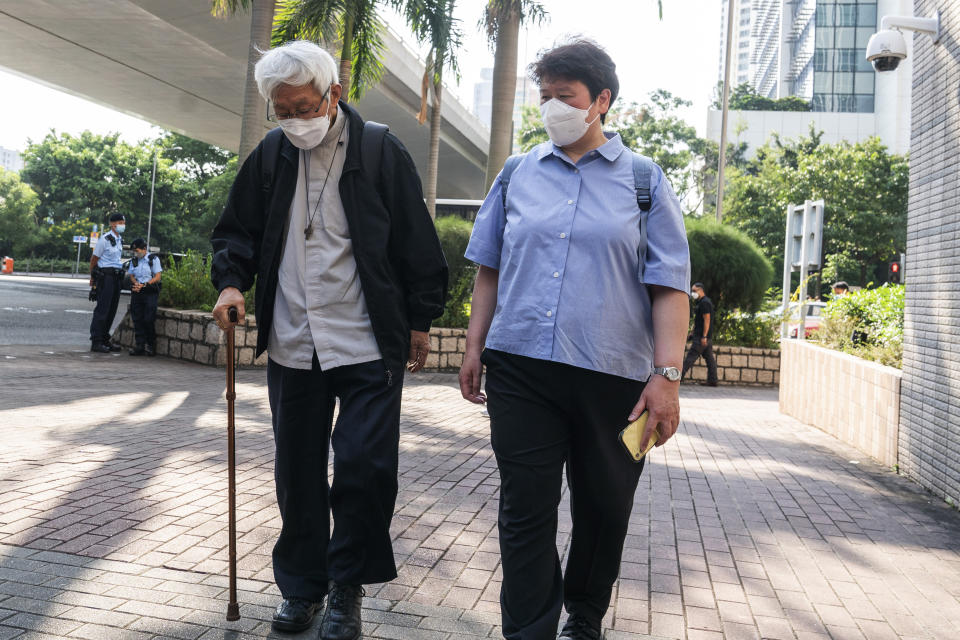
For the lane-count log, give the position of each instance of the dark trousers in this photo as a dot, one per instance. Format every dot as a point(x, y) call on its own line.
point(706, 351)
point(366, 442)
point(544, 416)
point(143, 310)
point(108, 297)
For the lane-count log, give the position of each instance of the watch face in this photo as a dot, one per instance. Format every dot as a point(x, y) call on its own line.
point(670, 373)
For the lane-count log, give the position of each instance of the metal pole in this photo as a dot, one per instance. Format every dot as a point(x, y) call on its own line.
point(76, 269)
point(726, 103)
point(153, 182)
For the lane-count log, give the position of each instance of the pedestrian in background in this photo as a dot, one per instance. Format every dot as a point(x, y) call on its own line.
point(327, 214)
point(105, 273)
point(579, 314)
point(701, 339)
point(144, 273)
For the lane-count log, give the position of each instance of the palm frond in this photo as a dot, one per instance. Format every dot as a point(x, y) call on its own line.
point(531, 12)
point(368, 48)
point(315, 20)
point(226, 8)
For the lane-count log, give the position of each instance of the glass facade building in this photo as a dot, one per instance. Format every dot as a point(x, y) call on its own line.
point(843, 80)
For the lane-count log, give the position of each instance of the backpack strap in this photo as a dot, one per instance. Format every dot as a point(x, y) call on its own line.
point(371, 150)
point(151, 257)
point(642, 169)
point(508, 167)
point(269, 155)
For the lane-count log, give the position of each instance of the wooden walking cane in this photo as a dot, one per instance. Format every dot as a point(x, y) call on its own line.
point(233, 609)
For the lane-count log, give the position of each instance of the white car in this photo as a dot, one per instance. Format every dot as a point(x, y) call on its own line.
point(812, 324)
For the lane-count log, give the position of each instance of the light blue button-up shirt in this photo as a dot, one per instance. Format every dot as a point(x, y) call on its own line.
point(572, 269)
point(108, 254)
point(145, 268)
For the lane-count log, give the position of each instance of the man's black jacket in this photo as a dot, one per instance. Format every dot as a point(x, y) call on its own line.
point(399, 260)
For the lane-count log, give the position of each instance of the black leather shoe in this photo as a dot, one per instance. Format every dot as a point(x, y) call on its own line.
point(708, 384)
point(138, 350)
point(99, 347)
point(112, 347)
point(295, 614)
point(579, 628)
point(147, 349)
point(341, 620)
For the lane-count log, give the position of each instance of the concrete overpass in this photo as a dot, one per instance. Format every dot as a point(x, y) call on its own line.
point(171, 63)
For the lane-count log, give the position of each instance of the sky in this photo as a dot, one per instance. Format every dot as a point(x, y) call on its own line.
point(679, 54)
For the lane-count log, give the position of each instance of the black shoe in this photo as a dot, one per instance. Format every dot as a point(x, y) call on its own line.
point(579, 628)
point(341, 620)
point(138, 350)
point(147, 349)
point(113, 347)
point(295, 614)
point(708, 384)
point(99, 347)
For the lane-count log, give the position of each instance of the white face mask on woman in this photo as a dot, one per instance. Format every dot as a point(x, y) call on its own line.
point(305, 134)
point(564, 124)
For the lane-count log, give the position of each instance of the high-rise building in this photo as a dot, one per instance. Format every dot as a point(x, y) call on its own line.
point(816, 50)
point(10, 160)
point(526, 94)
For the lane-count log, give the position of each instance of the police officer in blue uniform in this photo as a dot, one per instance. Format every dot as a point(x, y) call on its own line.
point(144, 273)
point(105, 274)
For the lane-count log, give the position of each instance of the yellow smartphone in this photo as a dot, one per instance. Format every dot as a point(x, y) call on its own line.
point(630, 438)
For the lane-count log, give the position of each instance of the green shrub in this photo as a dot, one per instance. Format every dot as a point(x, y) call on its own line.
point(867, 323)
point(454, 234)
point(51, 265)
point(186, 284)
point(733, 270)
point(748, 330)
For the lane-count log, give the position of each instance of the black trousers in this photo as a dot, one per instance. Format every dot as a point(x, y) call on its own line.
point(365, 441)
point(706, 351)
point(544, 416)
point(143, 310)
point(108, 297)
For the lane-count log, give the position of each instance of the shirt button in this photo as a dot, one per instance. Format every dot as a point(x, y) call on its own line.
point(556, 274)
point(549, 313)
point(569, 201)
point(563, 235)
point(576, 170)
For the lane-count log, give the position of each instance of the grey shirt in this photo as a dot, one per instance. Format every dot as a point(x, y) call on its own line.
point(319, 303)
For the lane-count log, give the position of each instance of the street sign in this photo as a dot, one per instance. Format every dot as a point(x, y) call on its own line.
point(94, 236)
point(80, 239)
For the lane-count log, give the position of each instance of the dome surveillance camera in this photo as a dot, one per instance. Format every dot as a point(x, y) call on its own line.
point(886, 49)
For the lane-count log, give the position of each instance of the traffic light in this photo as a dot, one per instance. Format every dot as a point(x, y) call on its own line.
point(893, 272)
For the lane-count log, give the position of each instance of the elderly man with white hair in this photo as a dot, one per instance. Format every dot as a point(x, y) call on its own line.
point(327, 216)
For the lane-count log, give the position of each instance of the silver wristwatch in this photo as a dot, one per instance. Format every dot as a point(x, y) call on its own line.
point(670, 373)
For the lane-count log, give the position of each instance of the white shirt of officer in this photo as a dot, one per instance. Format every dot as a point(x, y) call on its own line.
point(143, 269)
point(109, 254)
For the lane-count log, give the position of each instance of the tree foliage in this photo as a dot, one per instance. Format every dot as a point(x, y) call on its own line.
point(19, 232)
point(864, 188)
point(745, 98)
point(733, 270)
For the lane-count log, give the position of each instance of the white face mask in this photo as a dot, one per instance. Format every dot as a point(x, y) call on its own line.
point(564, 124)
point(694, 295)
point(305, 134)
point(121, 228)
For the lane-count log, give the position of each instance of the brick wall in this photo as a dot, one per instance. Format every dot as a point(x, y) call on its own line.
point(742, 365)
point(852, 399)
point(930, 408)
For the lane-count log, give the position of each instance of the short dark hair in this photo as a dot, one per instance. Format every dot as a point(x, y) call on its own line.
point(841, 285)
point(579, 59)
point(698, 285)
point(139, 243)
point(116, 217)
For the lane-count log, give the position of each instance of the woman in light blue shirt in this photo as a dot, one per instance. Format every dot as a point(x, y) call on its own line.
point(580, 315)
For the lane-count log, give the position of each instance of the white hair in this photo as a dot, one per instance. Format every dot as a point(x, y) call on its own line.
point(295, 63)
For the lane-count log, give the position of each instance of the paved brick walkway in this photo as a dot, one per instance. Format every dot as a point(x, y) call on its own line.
point(748, 525)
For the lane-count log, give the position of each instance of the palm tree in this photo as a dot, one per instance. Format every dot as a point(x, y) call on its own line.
point(502, 20)
point(254, 108)
point(352, 23)
point(432, 23)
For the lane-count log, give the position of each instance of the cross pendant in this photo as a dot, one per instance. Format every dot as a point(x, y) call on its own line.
point(308, 232)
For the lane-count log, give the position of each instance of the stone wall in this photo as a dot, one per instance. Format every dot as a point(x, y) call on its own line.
point(930, 414)
point(194, 336)
point(852, 399)
point(741, 365)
